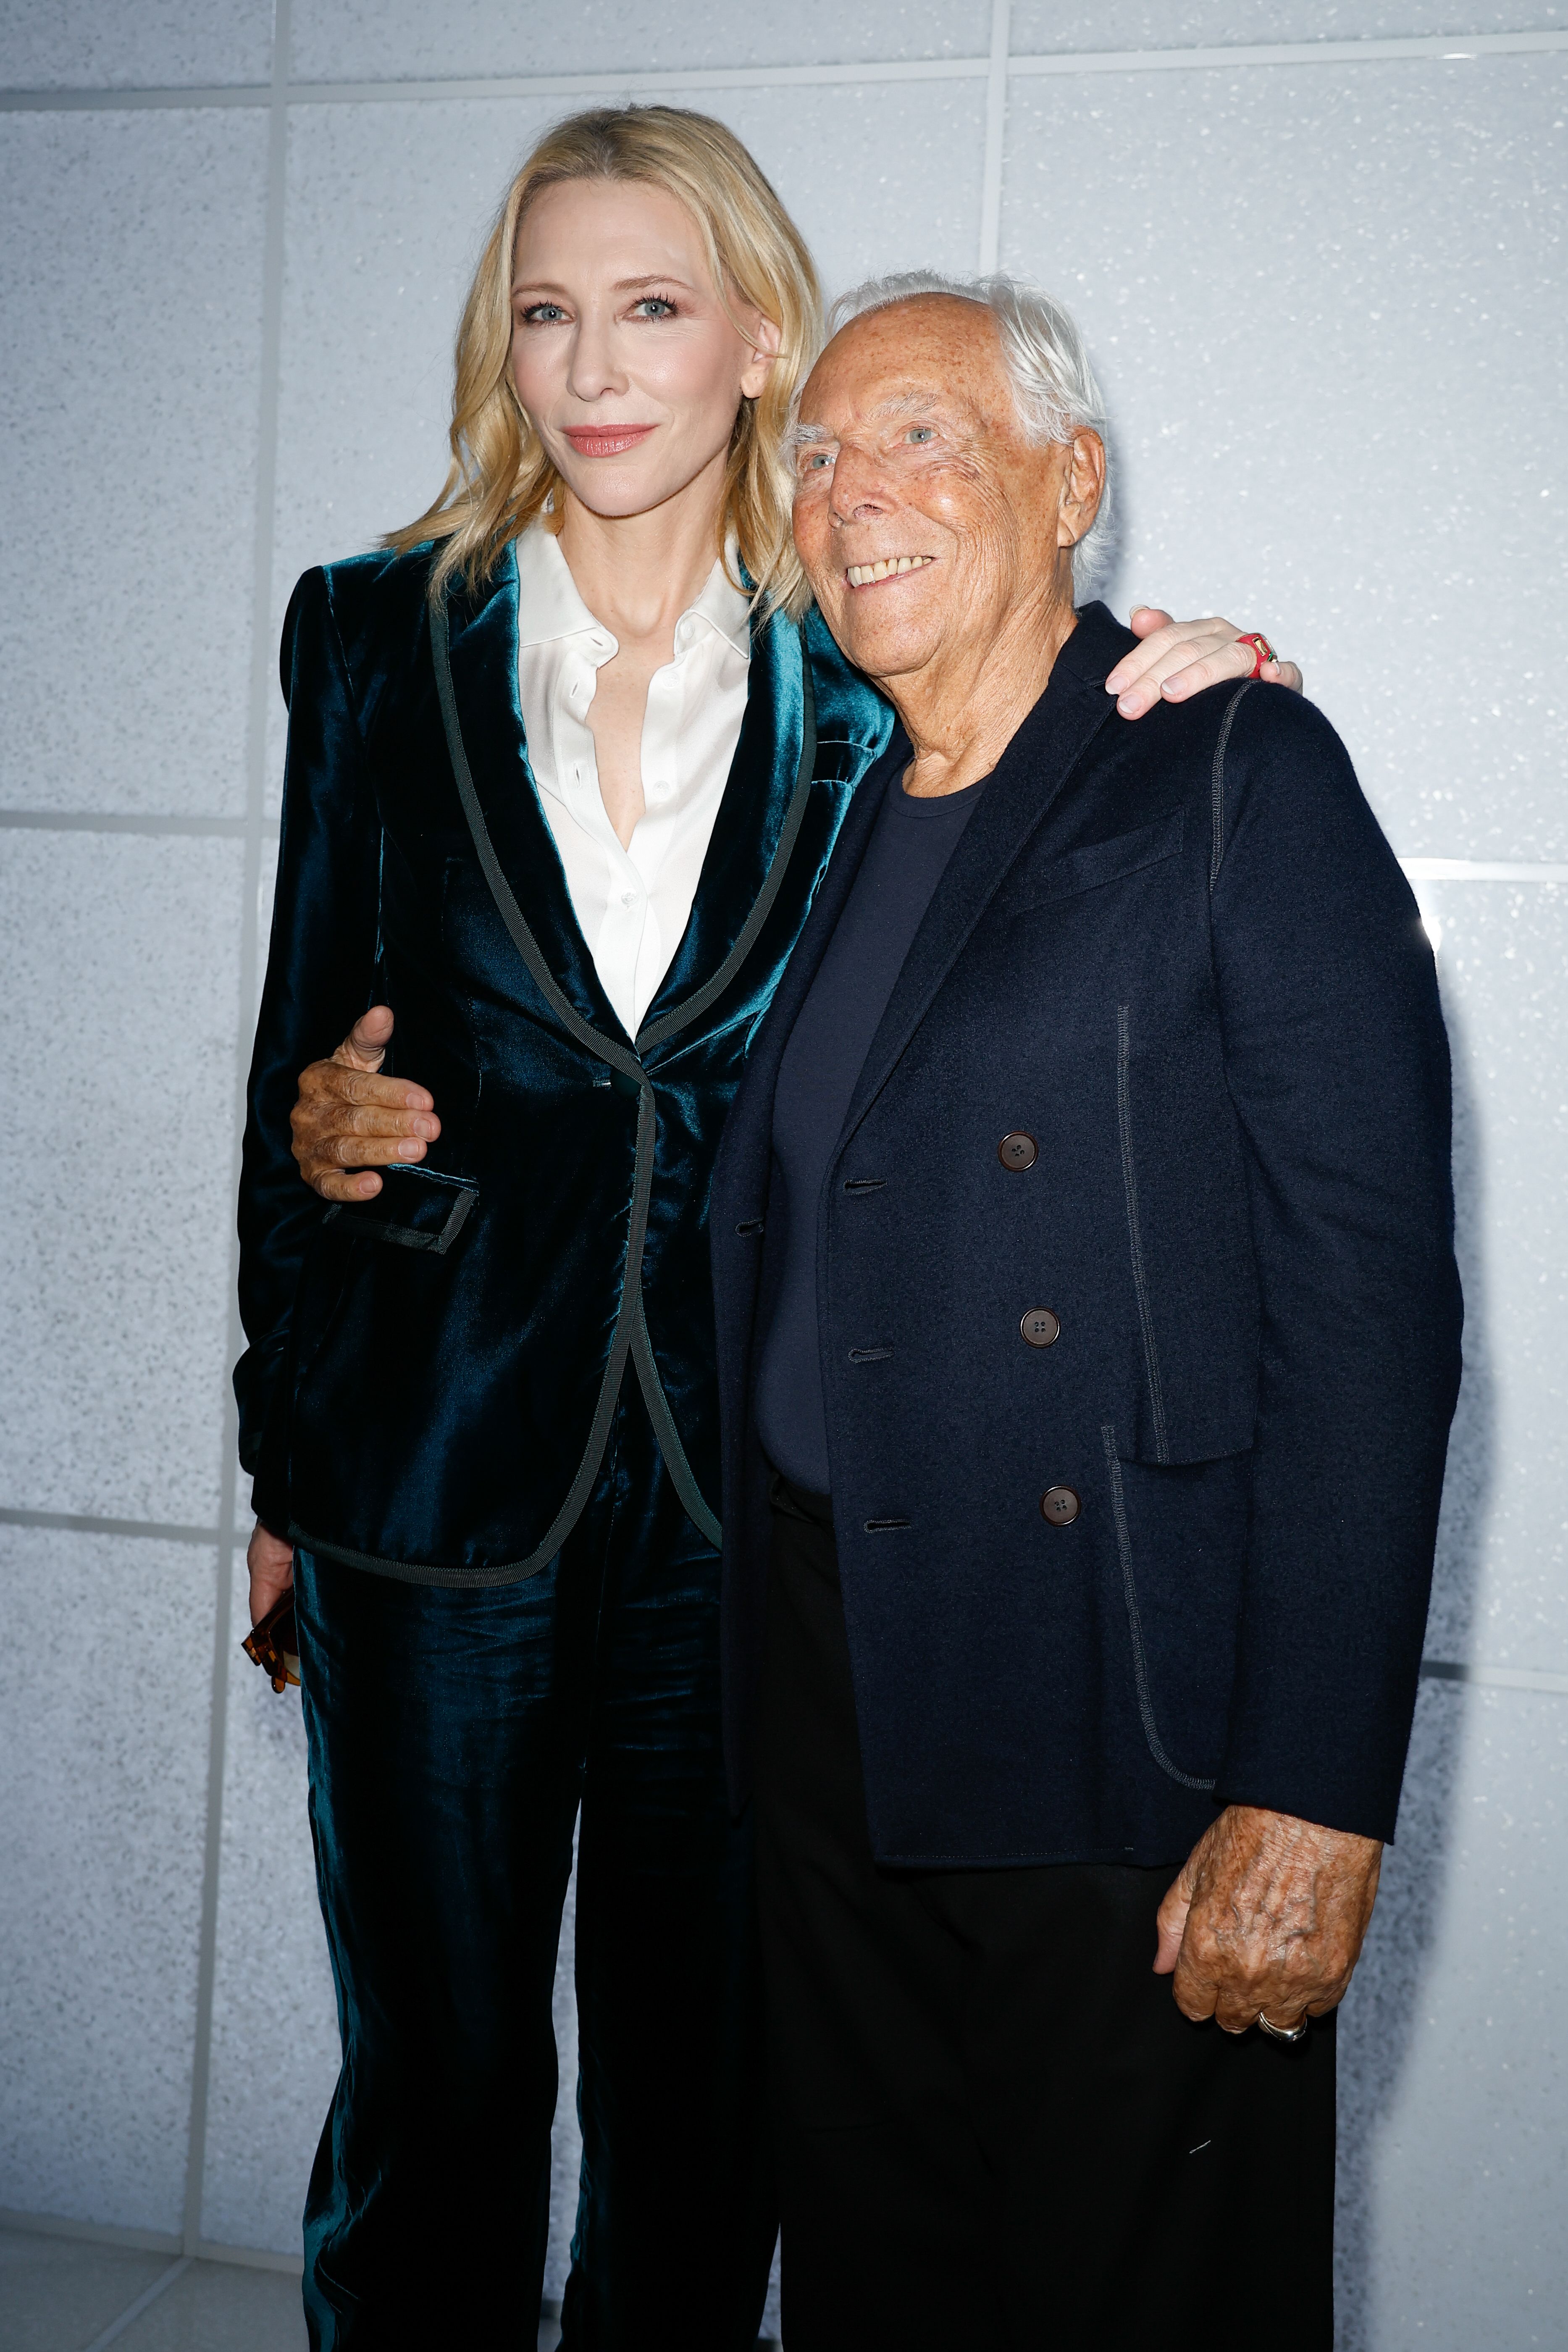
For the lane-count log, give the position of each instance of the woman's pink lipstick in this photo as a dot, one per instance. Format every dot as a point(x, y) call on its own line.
point(605, 440)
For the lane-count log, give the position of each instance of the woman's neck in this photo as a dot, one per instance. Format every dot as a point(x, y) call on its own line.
point(637, 574)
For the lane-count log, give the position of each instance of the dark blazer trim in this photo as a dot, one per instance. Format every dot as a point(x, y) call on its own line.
point(620, 1057)
point(1135, 1229)
point(711, 990)
point(681, 1477)
point(1217, 788)
point(631, 1336)
point(1135, 1623)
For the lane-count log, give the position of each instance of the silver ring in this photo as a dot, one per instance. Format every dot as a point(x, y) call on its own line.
point(1283, 2032)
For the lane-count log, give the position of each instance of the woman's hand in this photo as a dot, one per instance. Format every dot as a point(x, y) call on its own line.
point(271, 1564)
point(1178, 658)
point(347, 1118)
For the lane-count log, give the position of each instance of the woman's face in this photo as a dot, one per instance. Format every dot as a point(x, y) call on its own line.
point(623, 355)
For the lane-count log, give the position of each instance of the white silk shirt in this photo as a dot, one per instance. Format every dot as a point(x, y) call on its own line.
point(632, 905)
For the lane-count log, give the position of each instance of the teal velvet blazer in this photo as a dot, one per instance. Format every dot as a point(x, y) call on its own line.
point(431, 1374)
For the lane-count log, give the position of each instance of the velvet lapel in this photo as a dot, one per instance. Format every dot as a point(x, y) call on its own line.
point(757, 799)
point(484, 683)
point(1027, 780)
point(747, 1147)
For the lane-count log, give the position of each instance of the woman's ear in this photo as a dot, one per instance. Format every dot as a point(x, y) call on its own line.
point(766, 338)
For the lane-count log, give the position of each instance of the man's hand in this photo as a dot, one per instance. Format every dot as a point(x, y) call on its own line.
point(348, 1118)
point(271, 1564)
point(1178, 658)
point(1267, 1918)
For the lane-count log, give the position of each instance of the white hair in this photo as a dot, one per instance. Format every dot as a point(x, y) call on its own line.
point(1054, 387)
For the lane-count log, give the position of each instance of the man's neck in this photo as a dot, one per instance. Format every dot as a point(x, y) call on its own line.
point(963, 708)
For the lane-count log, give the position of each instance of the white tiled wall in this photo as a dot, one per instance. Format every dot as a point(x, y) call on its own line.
point(1325, 299)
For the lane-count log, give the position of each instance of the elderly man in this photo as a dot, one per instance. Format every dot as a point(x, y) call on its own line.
point(1089, 1337)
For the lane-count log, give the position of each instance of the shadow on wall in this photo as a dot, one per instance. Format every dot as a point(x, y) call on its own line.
point(1383, 2010)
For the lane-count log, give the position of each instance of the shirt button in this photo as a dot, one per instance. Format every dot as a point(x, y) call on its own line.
point(1040, 1328)
point(1059, 1505)
point(1017, 1150)
point(628, 898)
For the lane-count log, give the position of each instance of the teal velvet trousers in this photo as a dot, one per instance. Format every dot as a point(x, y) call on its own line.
point(454, 1735)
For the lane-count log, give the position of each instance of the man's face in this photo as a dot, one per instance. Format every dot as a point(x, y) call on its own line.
point(909, 455)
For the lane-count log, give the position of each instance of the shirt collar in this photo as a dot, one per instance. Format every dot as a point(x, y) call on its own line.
point(548, 606)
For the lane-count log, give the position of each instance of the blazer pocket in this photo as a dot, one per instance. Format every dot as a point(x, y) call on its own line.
point(416, 1208)
point(1181, 1540)
point(1097, 863)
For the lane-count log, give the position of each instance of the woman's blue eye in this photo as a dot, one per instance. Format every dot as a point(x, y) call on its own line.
point(542, 314)
point(655, 305)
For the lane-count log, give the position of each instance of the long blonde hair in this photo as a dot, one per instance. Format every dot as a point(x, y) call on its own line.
point(501, 477)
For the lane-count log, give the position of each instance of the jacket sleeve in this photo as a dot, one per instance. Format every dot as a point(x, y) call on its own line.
point(1336, 1062)
point(321, 970)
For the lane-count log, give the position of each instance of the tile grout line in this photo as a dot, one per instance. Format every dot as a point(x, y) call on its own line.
point(256, 764)
point(1415, 49)
point(133, 2311)
point(232, 828)
point(84, 1523)
point(996, 132)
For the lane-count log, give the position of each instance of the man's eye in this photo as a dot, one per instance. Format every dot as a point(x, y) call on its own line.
point(921, 432)
point(542, 314)
point(816, 462)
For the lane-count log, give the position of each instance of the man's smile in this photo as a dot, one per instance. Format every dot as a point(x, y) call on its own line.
point(867, 575)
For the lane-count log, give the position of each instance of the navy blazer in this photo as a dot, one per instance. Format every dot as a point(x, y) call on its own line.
point(1179, 956)
point(431, 1374)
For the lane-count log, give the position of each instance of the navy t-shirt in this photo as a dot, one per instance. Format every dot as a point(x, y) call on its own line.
point(911, 844)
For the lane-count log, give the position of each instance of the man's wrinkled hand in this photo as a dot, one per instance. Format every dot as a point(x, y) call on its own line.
point(348, 1121)
point(1266, 1917)
point(1179, 658)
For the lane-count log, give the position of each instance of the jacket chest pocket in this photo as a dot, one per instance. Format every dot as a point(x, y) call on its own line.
point(417, 1209)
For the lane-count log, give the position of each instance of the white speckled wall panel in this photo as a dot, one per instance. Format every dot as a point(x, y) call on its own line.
point(388, 209)
point(398, 41)
point(1041, 26)
point(1453, 2173)
point(157, 45)
point(1501, 1591)
point(120, 978)
point(1308, 291)
point(104, 1674)
point(131, 288)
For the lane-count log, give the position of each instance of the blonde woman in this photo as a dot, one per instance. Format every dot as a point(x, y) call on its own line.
point(560, 787)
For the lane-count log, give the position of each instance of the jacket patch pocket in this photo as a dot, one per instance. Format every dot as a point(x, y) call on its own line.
point(1181, 1539)
point(1070, 871)
point(416, 1208)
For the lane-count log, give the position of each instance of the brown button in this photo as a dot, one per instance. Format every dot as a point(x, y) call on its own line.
point(1040, 1328)
point(1061, 1505)
point(1017, 1150)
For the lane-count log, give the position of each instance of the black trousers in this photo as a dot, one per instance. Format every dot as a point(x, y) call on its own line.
point(454, 1735)
point(995, 2128)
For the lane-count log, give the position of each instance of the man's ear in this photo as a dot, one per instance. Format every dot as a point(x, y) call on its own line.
point(766, 338)
point(1083, 486)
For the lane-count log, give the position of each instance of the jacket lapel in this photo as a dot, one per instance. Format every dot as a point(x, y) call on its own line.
point(483, 652)
point(758, 797)
point(1027, 781)
point(746, 1153)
